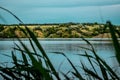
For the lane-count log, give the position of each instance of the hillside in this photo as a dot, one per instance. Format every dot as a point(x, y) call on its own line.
point(66, 30)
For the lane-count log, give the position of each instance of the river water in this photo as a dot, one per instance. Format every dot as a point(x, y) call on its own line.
point(71, 48)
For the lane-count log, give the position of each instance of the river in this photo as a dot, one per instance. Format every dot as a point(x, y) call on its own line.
point(70, 47)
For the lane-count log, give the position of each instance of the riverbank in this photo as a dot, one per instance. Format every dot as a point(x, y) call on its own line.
point(58, 31)
point(60, 39)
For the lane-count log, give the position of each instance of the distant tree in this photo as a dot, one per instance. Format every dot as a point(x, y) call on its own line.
point(95, 23)
point(9, 33)
point(38, 28)
point(64, 25)
point(1, 28)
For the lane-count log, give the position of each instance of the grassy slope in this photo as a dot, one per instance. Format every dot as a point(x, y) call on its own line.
point(57, 31)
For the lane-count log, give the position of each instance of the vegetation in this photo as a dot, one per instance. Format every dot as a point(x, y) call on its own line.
point(68, 30)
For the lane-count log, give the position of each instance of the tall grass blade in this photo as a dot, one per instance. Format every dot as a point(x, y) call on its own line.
point(25, 61)
point(66, 77)
point(114, 39)
point(11, 14)
point(8, 72)
point(15, 61)
point(89, 59)
point(104, 73)
point(4, 76)
point(90, 72)
point(79, 76)
point(37, 65)
point(102, 63)
point(33, 47)
point(43, 52)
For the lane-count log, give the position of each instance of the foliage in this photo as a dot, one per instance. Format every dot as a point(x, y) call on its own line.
point(57, 31)
point(1, 28)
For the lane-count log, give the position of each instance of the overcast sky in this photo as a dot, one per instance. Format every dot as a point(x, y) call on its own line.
point(58, 11)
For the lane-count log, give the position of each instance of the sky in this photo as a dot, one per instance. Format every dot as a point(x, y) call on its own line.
point(60, 11)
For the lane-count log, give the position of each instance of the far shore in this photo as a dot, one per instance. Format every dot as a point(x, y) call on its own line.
point(60, 39)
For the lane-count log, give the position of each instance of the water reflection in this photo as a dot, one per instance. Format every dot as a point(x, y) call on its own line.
point(70, 48)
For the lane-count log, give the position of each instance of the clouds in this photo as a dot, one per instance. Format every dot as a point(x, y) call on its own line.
point(59, 3)
point(46, 11)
